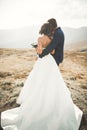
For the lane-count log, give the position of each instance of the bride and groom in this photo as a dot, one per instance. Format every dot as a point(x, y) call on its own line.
point(45, 101)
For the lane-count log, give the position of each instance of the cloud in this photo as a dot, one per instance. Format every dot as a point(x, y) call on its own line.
point(27, 12)
point(72, 9)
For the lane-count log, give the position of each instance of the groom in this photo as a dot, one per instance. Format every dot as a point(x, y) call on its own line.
point(57, 43)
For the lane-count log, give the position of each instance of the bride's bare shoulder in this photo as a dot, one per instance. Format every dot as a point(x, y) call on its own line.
point(43, 38)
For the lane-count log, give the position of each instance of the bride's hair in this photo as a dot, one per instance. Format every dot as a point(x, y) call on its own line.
point(46, 29)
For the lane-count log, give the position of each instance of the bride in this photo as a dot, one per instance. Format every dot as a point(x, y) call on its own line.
point(45, 101)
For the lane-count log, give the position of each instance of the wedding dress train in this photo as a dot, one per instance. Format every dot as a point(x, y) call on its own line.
point(45, 102)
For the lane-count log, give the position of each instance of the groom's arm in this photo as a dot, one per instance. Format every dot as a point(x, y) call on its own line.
point(51, 46)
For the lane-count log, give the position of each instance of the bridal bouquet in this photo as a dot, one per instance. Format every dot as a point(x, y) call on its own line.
point(34, 45)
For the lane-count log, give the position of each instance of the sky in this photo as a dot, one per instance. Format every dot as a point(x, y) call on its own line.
point(23, 13)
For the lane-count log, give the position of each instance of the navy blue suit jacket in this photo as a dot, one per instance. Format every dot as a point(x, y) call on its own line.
point(57, 43)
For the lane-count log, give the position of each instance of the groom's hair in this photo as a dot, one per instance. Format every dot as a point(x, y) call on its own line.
point(46, 29)
point(53, 22)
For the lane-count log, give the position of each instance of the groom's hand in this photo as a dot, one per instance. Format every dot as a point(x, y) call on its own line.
point(52, 52)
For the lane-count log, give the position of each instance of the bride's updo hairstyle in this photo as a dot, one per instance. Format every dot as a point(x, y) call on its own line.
point(46, 29)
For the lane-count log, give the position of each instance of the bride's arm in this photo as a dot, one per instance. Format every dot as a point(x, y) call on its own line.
point(39, 48)
point(43, 42)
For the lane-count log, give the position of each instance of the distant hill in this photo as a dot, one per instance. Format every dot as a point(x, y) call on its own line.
point(23, 37)
point(18, 38)
point(79, 46)
point(75, 34)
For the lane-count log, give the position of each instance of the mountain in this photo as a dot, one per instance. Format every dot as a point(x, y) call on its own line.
point(79, 46)
point(23, 37)
point(75, 34)
point(18, 38)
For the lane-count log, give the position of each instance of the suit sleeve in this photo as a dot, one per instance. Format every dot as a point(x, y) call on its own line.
point(51, 46)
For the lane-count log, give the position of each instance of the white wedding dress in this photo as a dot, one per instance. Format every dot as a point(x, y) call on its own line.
point(45, 102)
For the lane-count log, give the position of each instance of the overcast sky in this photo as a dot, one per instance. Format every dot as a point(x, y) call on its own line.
point(20, 13)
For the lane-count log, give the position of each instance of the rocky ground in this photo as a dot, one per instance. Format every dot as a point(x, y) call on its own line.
point(16, 64)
